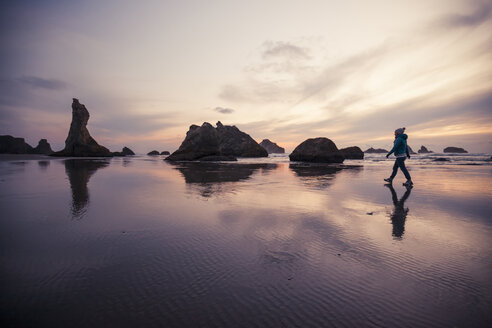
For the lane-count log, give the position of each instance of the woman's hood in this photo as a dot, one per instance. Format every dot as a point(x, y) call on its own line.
point(403, 136)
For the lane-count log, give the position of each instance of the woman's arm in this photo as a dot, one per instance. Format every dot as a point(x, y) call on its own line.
point(397, 143)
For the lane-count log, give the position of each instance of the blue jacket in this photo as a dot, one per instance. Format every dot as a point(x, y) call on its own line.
point(400, 145)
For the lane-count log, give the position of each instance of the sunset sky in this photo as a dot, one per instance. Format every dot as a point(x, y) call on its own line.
point(352, 71)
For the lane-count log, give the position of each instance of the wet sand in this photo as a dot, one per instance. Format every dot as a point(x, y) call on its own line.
point(138, 242)
point(21, 157)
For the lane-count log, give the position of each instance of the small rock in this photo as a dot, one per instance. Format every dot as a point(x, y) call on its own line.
point(272, 147)
point(43, 148)
point(424, 150)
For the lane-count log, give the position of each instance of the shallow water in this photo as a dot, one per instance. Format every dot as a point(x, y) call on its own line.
point(139, 242)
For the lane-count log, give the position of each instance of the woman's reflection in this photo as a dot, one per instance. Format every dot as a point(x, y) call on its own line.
point(399, 214)
point(79, 172)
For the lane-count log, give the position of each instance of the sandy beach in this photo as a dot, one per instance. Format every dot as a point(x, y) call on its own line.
point(129, 242)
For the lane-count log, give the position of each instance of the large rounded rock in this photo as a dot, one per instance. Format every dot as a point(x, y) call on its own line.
point(205, 141)
point(319, 150)
point(352, 153)
point(200, 141)
point(79, 141)
point(234, 142)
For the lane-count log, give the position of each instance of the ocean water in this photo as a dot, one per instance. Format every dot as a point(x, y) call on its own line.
point(140, 242)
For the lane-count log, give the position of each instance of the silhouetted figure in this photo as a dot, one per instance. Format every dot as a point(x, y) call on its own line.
point(79, 172)
point(399, 214)
point(401, 153)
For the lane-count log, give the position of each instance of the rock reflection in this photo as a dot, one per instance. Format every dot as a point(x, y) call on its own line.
point(399, 214)
point(318, 176)
point(79, 171)
point(43, 165)
point(210, 178)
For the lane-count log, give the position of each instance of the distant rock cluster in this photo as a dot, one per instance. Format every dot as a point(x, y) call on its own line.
point(124, 152)
point(203, 143)
point(376, 151)
point(155, 153)
point(454, 150)
point(222, 143)
point(272, 147)
point(12, 145)
point(79, 142)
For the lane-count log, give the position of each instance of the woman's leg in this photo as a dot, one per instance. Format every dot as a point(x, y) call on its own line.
point(395, 169)
point(403, 168)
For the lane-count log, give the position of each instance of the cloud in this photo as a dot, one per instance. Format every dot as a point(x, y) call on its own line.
point(482, 13)
point(292, 83)
point(132, 124)
point(27, 90)
point(37, 82)
point(284, 50)
point(224, 110)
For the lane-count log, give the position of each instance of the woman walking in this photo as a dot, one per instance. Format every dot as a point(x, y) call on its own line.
point(401, 153)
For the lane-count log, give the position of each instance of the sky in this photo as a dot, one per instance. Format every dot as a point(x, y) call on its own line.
point(352, 71)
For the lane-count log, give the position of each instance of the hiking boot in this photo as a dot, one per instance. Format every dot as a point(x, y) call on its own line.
point(409, 183)
point(389, 180)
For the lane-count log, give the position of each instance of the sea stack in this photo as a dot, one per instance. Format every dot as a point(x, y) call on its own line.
point(79, 142)
point(43, 148)
point(318, 150)
point(424, 150)
point(272, 147)
point(224, 143)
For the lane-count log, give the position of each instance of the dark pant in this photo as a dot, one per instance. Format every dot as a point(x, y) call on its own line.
point(400, 163)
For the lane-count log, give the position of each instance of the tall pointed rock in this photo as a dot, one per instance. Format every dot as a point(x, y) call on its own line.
point(79, 142)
